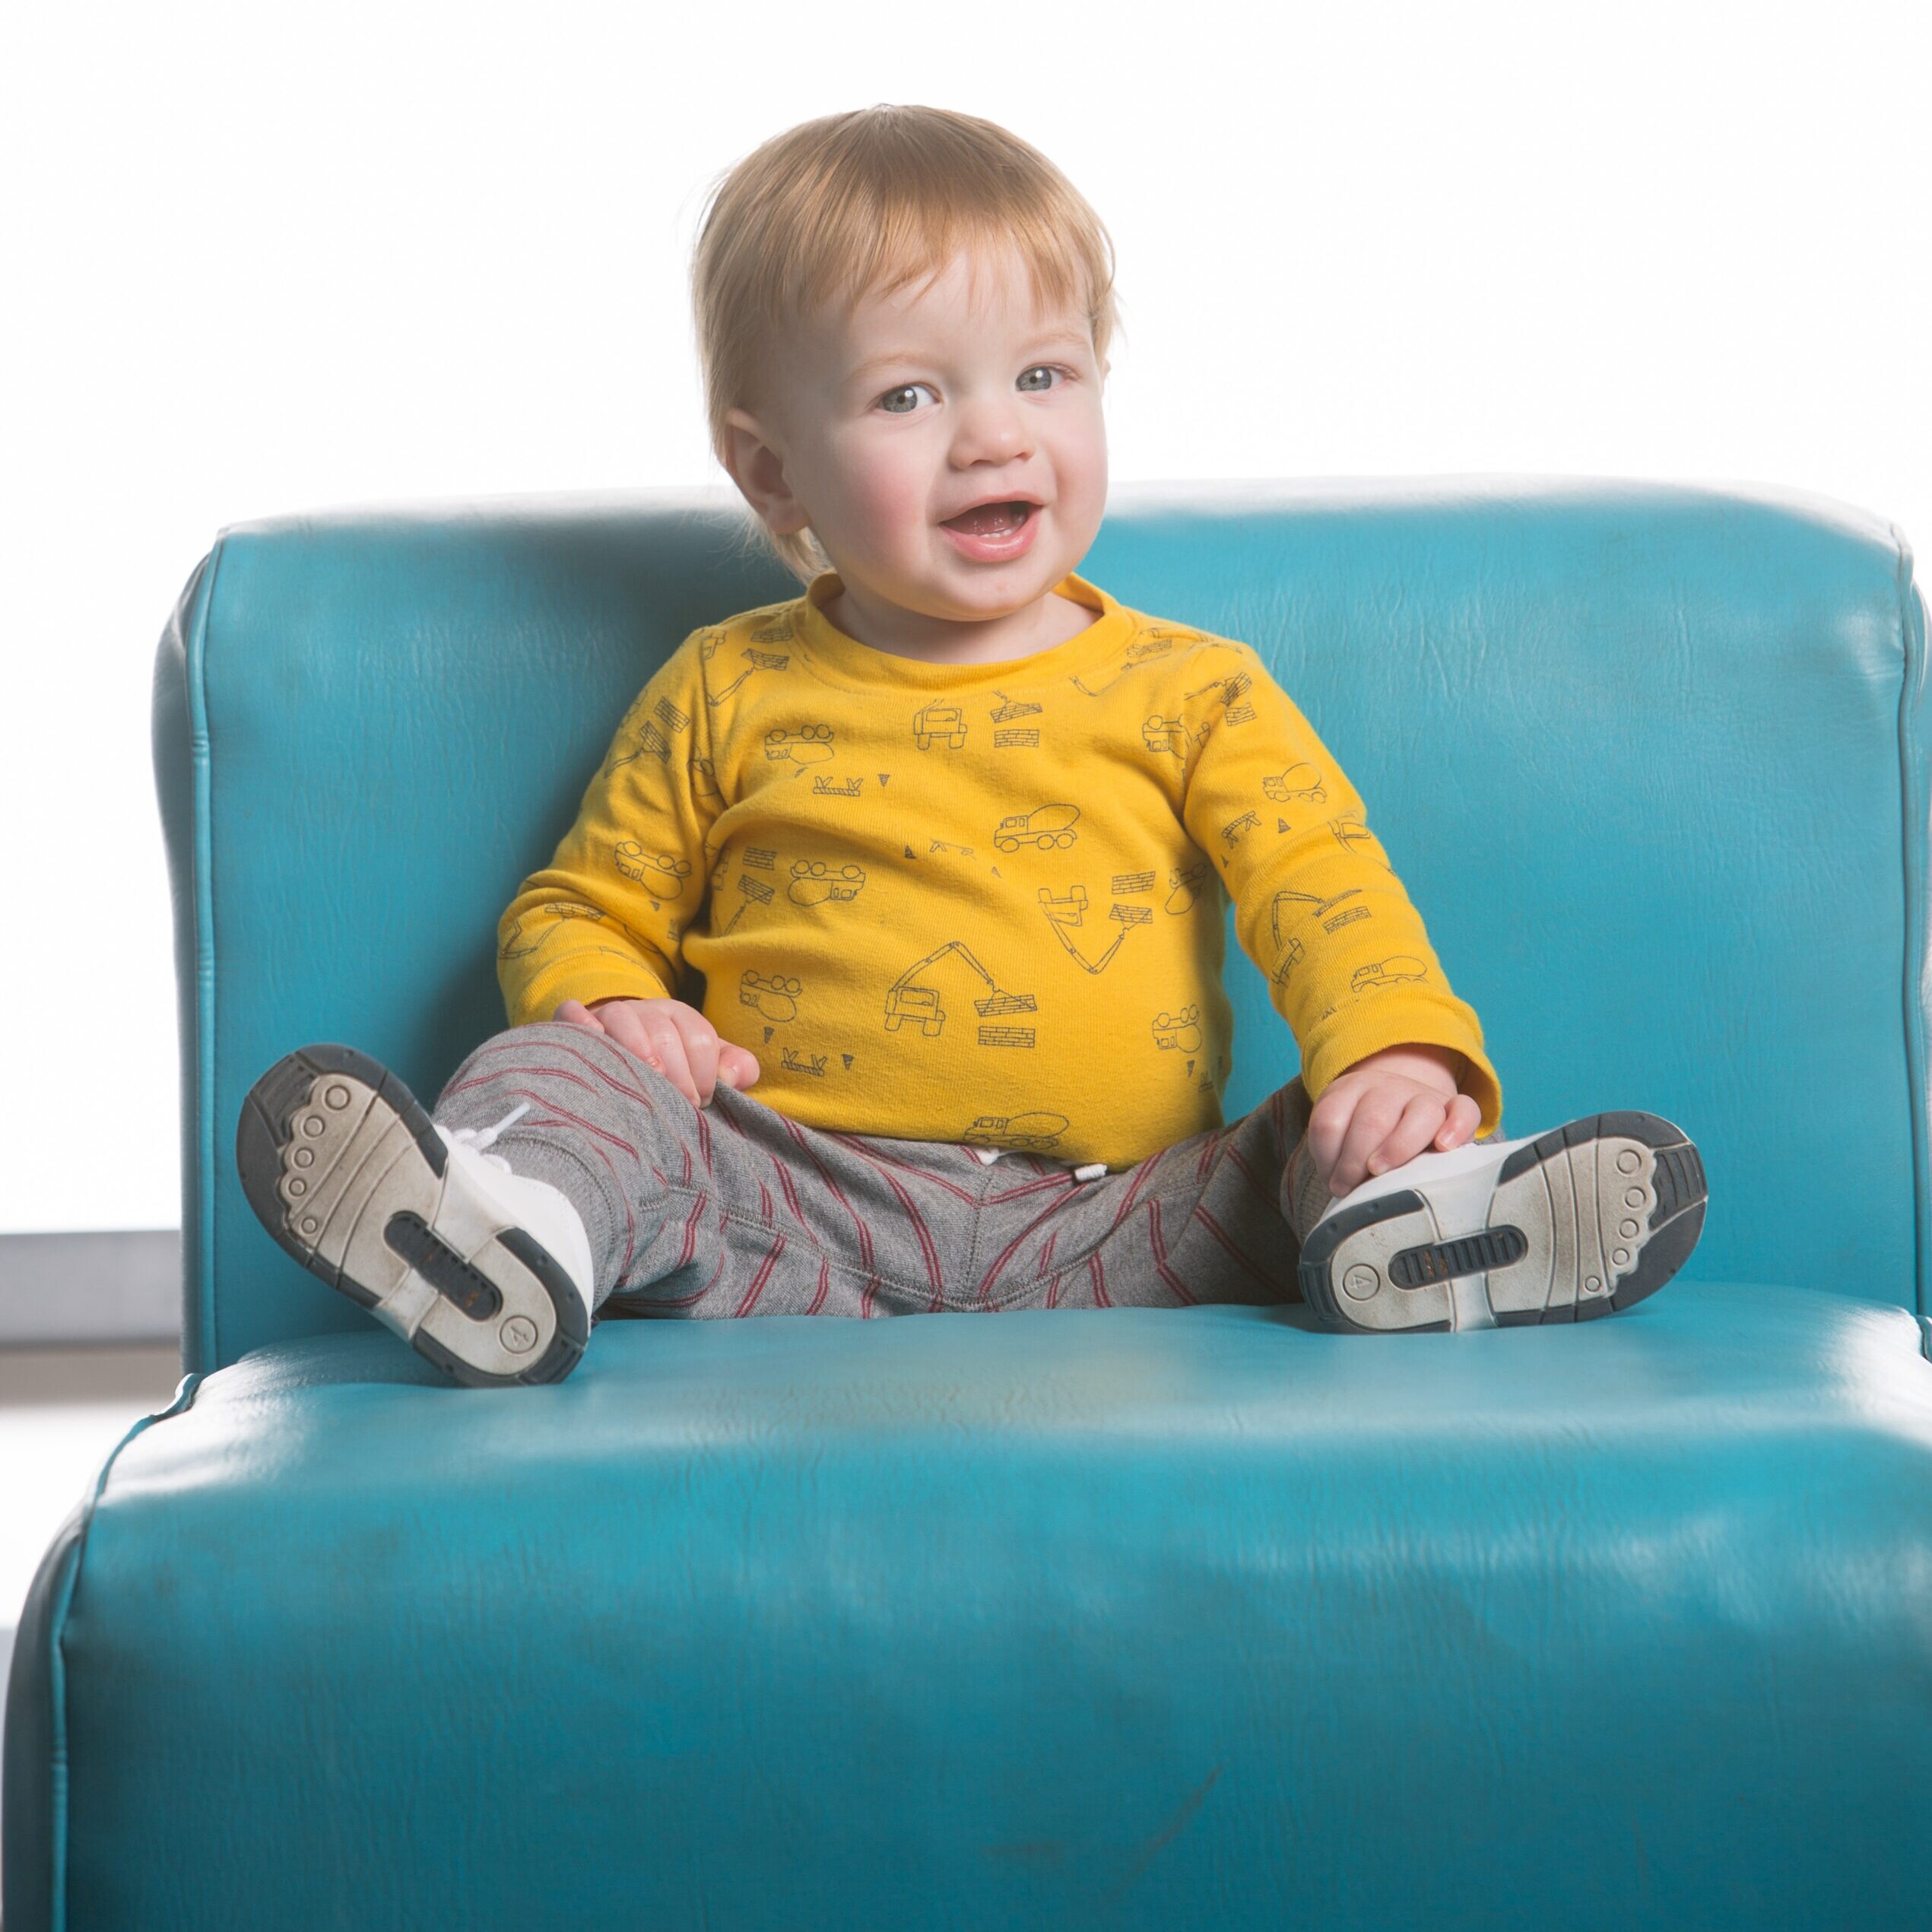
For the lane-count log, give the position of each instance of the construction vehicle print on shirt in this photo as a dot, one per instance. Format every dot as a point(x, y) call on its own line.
point(1159, 643)
point(1069, 910)
point(813, 882)
point(1292, 956)
point(939, 724)
point(516, 947)
point(1050, 827)
point(559, 910)
point(1010, 709)
point(1184, 886)
point(1401, 970)
point(1179, 1032)
point(647, 737)
point(920, 1004)
point(775, 995)
point(1312, 905)
point(1160, 734)
point(1350, 832)
point(756, 661)
point(750, 892)
point(1233, 691)
point(1298, 783)
point(662, 874)
point(803, 744)
point(1018, 1133)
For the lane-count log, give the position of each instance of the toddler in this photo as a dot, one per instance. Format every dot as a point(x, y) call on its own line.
point(948, 840)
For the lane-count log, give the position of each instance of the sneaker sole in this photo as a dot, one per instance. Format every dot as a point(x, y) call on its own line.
point(1585, 1220)
point(376, 1210)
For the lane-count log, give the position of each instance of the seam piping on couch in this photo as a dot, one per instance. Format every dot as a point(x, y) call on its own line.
point(1911, 641)
point(203, 1072)
point(184, 1398)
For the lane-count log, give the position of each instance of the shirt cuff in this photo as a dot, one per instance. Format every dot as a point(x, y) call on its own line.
point(585, 980)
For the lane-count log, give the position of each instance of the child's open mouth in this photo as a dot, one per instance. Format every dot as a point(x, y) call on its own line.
point(993, 531)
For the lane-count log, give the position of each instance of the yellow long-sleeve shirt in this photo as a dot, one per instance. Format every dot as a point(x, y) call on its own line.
point(982, 902)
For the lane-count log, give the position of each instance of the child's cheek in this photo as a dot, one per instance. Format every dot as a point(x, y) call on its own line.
point(892, 495)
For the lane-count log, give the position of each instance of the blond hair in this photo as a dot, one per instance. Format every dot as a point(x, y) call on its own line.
point(861, 203)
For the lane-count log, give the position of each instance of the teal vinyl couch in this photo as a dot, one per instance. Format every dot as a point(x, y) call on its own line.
point(1123, 1619)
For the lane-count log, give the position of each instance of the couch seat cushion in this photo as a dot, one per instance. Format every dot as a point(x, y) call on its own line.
point(1050, 1619)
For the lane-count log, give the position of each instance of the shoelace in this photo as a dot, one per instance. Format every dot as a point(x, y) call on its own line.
point(476, 1138)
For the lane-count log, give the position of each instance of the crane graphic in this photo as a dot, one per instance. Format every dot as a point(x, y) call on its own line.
point(920, 1004)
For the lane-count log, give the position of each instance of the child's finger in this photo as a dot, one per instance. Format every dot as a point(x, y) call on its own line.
point(624, 1024)
point(1421, 1120)
point(654, 1041)
point(695, 1036)
point(1374, 1119)
point(1328, 1127)
point(737, 1066)
point(672, 1061)
point(574, 1013)
point(1460, 1124)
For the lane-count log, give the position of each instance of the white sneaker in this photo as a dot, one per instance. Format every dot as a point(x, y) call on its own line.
point(1579, 1222)
point(486, 1272)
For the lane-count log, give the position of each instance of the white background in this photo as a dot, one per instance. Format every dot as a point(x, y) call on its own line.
point(259, 259)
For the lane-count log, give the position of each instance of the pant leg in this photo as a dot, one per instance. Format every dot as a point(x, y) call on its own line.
point(731, 1208)
point(1219, 1217)
point(595, 1126)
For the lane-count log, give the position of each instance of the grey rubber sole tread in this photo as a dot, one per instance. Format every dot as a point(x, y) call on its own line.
point(1571, 1242)
point(265, 1130)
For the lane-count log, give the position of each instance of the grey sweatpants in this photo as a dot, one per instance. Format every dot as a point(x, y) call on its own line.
point(735, 1209)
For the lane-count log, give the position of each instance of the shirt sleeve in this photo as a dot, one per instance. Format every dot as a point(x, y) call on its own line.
point(605, 919)
point(1318, 906)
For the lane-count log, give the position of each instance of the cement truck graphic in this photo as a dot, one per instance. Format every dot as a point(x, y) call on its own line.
point(1019, 1133)
point(1298, 782)
point(1047, 827)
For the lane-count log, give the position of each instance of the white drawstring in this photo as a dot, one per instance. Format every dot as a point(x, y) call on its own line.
point(476, 1138)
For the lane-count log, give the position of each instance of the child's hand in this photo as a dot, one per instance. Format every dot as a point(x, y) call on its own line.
point(675, 1039)
point(1386, 1109)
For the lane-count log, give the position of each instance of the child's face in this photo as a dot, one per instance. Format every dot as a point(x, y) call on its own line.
point(882, 428)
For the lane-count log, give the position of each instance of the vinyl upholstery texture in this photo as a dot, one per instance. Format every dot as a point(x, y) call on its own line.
point(1124, 1618)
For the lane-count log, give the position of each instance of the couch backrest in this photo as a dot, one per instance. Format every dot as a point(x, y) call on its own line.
point(1651, 760)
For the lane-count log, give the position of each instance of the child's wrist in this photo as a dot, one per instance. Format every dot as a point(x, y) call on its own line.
point(1439, 1066)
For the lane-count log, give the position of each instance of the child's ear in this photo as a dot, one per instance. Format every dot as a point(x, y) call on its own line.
point(758, 469)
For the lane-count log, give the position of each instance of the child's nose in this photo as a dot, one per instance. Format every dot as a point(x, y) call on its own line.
point(991, 429)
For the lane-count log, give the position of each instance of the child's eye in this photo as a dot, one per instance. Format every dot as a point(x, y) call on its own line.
point(886, 401)
point(1039, 369)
